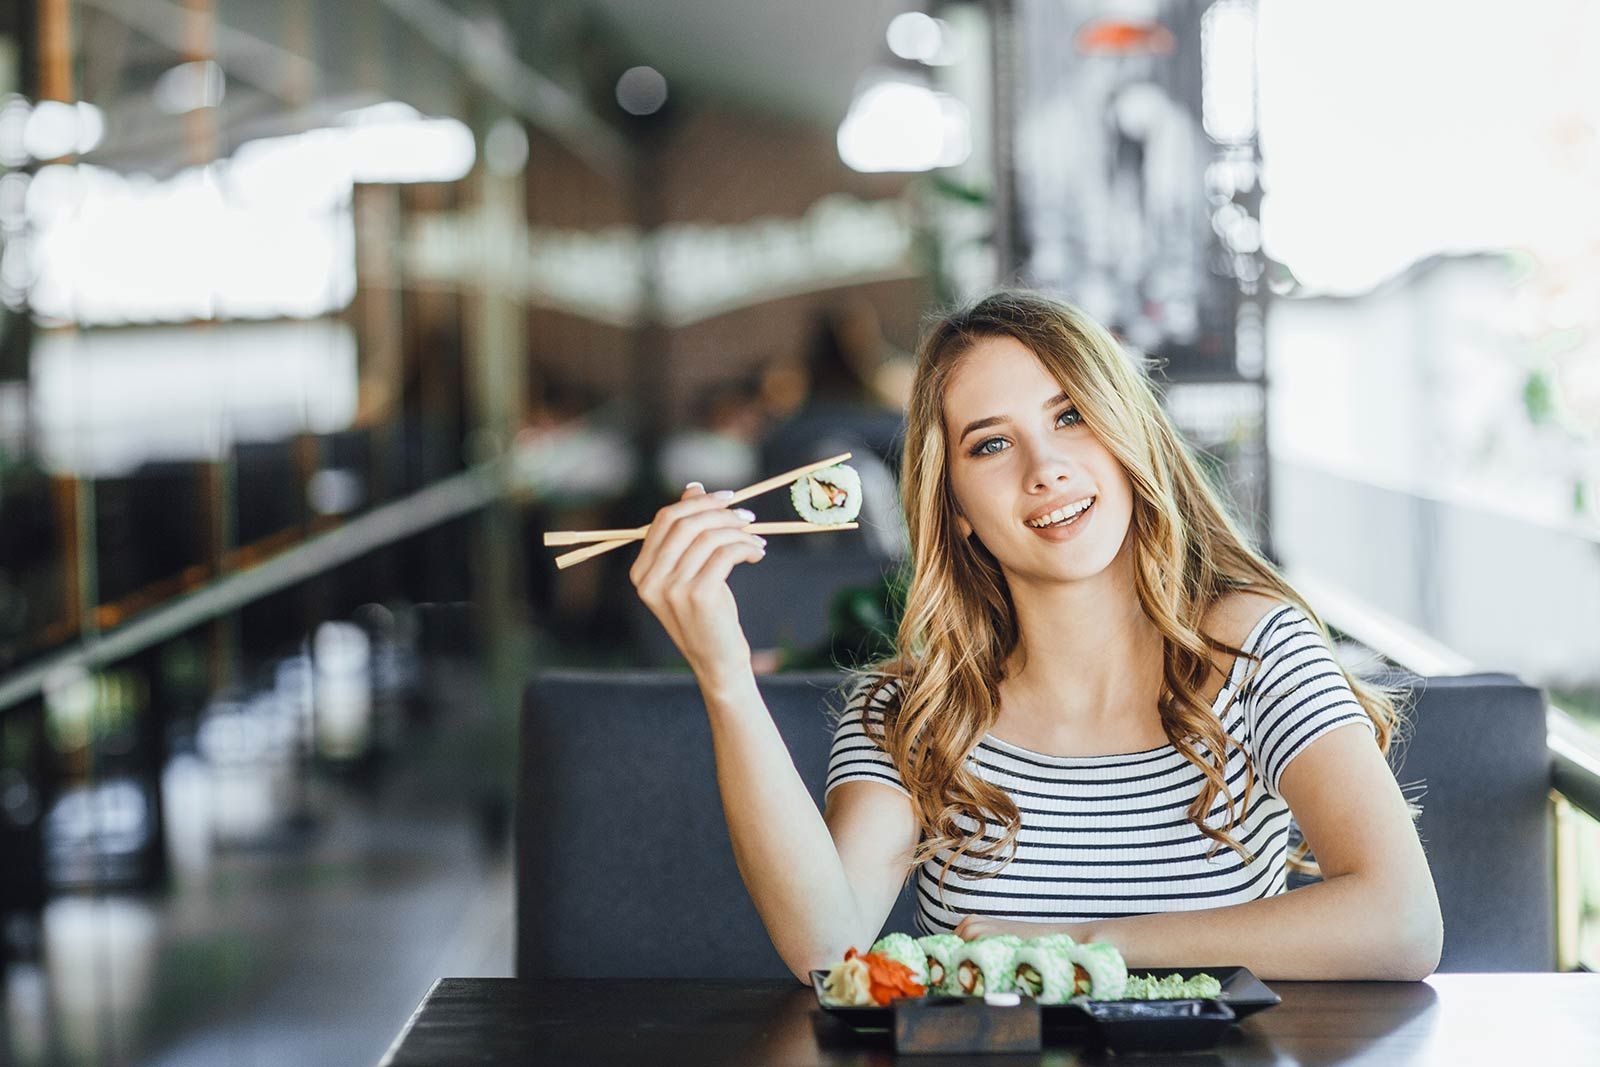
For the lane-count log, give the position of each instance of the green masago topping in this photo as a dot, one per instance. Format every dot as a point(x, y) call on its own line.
point(1103, 966)
point(1172, 987)
point(987, 965)
point(1053, 940)
point(940, 951)
point(1045, 970)
point(903, 947)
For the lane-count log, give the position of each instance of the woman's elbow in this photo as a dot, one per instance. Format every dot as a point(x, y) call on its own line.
point(1418, 943)
point(1427, 947)
point(801, 962)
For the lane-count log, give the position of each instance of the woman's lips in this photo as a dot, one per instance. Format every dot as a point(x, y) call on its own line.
point(1069, 531)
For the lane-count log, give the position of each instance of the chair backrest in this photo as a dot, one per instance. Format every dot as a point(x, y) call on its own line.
point(1478, 747)
point(784, 602)
point(624, 868)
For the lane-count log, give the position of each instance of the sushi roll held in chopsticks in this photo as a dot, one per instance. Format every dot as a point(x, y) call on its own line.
point(828, 497)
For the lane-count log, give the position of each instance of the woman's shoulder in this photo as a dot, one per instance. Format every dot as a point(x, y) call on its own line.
point(872, 691)
point(1234, 616)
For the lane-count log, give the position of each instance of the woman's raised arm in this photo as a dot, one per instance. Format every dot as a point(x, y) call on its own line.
point(818, 890)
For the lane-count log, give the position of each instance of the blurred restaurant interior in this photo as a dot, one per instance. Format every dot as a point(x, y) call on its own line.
point(314, 317)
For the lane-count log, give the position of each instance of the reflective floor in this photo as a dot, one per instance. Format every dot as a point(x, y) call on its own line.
point(310, 947)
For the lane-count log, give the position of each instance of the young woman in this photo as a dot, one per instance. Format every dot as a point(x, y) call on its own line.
point(1104, 709)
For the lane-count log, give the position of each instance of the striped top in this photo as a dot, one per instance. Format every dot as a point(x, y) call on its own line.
point(1106, 836)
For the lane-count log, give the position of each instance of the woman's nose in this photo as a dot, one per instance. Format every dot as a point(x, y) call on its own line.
point(1049, 468)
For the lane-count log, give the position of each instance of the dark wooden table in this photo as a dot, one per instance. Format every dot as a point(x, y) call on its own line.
point(1459, 1020)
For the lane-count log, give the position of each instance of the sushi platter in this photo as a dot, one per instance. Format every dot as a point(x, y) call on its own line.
point(1083, 992)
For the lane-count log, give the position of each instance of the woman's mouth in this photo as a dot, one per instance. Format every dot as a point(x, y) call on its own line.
point(1063, 516)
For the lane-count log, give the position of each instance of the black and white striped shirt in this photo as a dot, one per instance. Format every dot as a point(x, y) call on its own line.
point(1106, 836)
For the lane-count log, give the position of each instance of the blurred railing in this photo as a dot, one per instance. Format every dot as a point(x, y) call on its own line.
point(1574, 751)
point(446, 499)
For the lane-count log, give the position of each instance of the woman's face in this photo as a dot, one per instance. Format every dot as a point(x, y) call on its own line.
point(1020, 456)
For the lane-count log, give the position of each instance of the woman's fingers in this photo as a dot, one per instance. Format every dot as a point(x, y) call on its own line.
point(661, 527)
point(687, 573)
point(663, 569)
point(750, 548)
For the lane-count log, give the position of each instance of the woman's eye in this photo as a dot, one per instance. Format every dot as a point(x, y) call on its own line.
point(990, 446)
point(982, 447)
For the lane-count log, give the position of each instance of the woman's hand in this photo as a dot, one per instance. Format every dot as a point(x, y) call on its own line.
point(975, 926)
point(682, 576)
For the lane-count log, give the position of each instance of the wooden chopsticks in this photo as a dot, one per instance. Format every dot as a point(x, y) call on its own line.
point(606, 540)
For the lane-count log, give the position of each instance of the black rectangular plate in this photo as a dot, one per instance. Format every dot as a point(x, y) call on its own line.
point(1242, 991)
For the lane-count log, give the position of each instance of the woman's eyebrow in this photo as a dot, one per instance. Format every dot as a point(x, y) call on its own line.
point(995, 420)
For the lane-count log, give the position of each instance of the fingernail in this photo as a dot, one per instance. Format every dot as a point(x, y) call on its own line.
point(695, 485)
point(761, 540)
point(747, 516)
point(723, 494)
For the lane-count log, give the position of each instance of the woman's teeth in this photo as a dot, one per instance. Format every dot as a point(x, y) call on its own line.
point(1063, 516)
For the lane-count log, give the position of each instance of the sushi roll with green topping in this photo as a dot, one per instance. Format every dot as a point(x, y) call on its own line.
point(903, 947)
point(1045, 970)
point(987, 965)
point(940, 952)
point(1062, 940)
point(829, 497)
point(1101, 973)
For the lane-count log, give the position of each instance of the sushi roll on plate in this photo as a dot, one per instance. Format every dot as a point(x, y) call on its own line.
point(940, 951)
point(1099, 970)
point(987, 965)
point(1045, 970)
point(904, 947)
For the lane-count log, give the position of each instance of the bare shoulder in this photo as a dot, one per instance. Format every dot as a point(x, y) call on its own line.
point(1232, 616)
point(1230, 619)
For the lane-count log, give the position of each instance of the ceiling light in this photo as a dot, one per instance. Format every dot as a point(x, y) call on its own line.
point(641, 90)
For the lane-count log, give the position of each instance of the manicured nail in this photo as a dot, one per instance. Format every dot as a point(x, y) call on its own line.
point(761, 540)
point(747, 516)
point(723, 494)
point(695, 485)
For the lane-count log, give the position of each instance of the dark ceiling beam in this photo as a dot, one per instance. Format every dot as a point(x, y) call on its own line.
point(489, 61)
point(242, 56)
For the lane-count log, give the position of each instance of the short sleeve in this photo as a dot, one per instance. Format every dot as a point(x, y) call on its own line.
point(1298, 694)
point(856, 757)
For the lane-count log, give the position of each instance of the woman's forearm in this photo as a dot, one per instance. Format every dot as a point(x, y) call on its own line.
point(1349, 927)
point(783, 848)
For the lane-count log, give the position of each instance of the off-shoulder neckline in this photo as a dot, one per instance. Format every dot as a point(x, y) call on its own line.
point(1143, 755)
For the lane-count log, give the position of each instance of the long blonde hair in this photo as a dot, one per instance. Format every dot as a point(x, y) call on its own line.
point(940, 692)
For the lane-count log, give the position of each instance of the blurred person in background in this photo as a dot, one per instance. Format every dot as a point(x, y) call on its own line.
point(571, 465)
point(722, 448)
point(840, 409)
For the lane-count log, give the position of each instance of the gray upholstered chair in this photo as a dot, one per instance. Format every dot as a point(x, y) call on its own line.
point(783, 603)
point(1477, 747)
point(624, 866)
